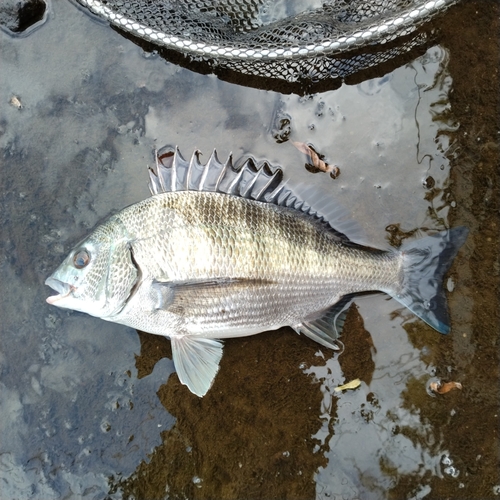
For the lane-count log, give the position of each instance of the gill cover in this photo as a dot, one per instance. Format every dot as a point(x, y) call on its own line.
point(98, 275)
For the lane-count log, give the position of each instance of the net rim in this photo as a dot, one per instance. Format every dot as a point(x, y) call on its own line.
point(407, 20)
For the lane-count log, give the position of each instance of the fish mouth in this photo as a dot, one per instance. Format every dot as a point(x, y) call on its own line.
point(64, 289)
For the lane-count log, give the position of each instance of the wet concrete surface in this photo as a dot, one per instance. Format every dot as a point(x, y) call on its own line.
point(94, 410)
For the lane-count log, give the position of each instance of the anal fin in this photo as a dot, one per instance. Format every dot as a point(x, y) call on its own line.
point(196, 361)
point(326, 327)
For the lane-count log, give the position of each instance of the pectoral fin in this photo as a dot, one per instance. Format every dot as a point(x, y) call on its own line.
point(188, 298)
point(196, 361)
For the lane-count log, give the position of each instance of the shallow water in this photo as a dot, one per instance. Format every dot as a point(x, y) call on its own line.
point(92, 410)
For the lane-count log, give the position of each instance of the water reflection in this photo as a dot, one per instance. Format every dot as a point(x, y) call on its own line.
point(376, 439)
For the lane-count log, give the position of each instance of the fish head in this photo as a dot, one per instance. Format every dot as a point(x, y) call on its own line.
point(98, 275)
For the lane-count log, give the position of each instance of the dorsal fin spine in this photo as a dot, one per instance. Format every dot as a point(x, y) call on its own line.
point(192, 163)
point(248, 188)
point(173, 176)
point(223, 171)
point(205, 172)
point(236, 181)
point(266, 186)
point(273, 196)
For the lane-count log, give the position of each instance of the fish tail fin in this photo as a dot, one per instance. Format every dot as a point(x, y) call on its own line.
point(425, 262)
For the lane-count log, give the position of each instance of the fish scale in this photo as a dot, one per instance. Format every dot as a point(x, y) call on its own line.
point(254, 243)
point(234, 255)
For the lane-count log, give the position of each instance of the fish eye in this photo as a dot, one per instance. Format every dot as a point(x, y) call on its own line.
point(81, 259)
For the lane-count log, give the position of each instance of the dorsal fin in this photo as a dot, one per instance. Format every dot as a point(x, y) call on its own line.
point(174, 173)
point(257, 182)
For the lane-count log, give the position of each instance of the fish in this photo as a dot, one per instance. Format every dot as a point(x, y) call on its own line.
point(218, 252)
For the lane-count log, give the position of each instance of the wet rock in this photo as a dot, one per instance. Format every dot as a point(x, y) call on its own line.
point(19, 15)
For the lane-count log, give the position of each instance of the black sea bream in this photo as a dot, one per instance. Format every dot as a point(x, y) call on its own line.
point(217, 252)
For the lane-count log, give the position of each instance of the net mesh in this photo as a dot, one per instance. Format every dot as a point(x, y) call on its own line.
point(273, 39)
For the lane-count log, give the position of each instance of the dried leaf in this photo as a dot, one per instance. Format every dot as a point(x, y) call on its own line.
point(302, 147)
point(311, 168)
point(334, 171)
point(444, 388)
point(316, 163)
point(353, 384)
point(16, 102)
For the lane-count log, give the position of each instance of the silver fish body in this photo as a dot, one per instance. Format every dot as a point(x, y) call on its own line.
point(197, 265)
point(216, 265)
